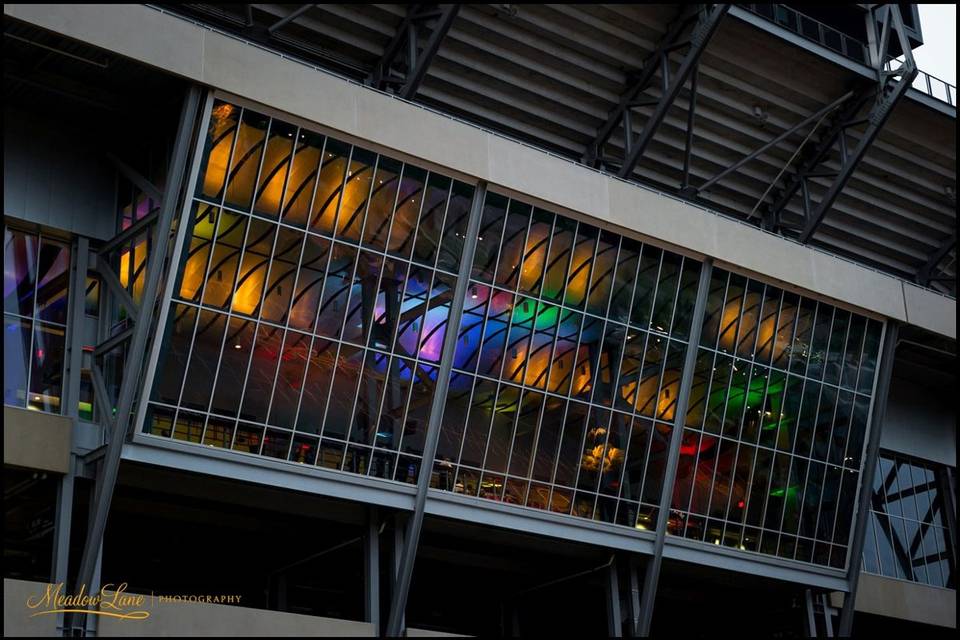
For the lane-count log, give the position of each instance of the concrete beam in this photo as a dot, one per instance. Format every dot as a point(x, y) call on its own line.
point(904, 600)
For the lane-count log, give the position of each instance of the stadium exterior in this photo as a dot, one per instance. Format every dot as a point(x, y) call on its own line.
point(477, 320)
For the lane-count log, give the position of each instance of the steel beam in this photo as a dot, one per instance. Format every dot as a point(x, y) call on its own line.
point(109, 278)
point(398, 603)
point(884, 95)
point(293, 15)
point(417, 61)
point(111, 463)
point(703, 30)
point(652, 575)
point(631, 94)
point(135, 177)
point(878, 412)
point(925, 273)
point(128, 234)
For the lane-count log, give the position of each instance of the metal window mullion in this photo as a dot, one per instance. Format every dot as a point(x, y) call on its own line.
point(356, 399)
point(75, 313)
point(702, 433)
point(816, 431)
point(810, 461)
point(632, 414)
point(347, 174)
point(676, 295)
point(393, 211)
point(259, 308)
point(773, 461)
point(34, 321)
point(594, 369)
point(297, 268)
point(168, 291)
point(323, 285)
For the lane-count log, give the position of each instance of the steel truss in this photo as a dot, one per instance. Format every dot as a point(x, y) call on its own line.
point(402, 68)
point(107, 458)
point(891, 85)
point(691, 30)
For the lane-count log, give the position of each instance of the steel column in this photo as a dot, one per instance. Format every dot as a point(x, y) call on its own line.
point(614, 626)
point(424, 58)
point(634, 597)
point(399, 597)
point(866, 478)
point(371, 565)
point(652, 575)
point(134, 362)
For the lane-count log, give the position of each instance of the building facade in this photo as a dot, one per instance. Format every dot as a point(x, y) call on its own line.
point(356, 316)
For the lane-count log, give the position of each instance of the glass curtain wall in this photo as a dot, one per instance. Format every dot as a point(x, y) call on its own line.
point(567, 367)
point(309, 313)
point(311, 301)
point(36, 279)
point(907, 535)
point(774, 435)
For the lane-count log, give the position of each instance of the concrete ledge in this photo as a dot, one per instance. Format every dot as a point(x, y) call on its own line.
point(202, 55)
point(930, 311)
point(16, 614)
point(192, 619)
point(36, 440)
point(904, 600)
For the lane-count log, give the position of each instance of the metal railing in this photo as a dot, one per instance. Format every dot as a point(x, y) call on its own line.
point(824, 35)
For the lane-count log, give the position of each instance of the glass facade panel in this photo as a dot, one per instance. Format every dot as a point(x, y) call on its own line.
point(770, 458)
point(36, 277)
point(311, 303)
point(310, 316)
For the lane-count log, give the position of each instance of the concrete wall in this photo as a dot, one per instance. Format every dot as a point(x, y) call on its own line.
point(52, 177)
point(36, 440)
point(921, 420)
point(189, 619)
point(16, 615)
point(904, 600)
point(201, 55)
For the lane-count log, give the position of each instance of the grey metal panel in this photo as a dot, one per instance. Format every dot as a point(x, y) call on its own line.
point(536, 521)
point(920, 421)
point(732, 560)
point(53, 177)
point(251, 468)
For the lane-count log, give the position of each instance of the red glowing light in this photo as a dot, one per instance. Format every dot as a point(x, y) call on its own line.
point(40, 353)
point(740, 504)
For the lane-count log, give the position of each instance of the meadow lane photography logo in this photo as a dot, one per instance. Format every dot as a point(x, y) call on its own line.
point(112, 601)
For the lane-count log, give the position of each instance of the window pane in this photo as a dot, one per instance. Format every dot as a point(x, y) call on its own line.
point(19, 272)
point(46, 368)
point(16, 359)
point(53, 282)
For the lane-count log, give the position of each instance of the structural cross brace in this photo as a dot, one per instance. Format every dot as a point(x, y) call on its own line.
point(893, 79)
point(404, 63)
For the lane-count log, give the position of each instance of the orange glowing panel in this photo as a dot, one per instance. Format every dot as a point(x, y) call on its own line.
point(303, 174)
point(273, 174)
point(246, 159)
point(354, 200)
point(329, 187)
point(576, 287)
point(534, 256)
point(650, 392)
point(223, 124)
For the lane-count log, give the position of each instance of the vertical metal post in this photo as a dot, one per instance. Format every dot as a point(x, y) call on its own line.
point(371, 566)
point(866, 478)
point(78, 286)
point(811, 618)
point(634, 597)
point(614, 627)
point(827, 617)
point(399, 524)
point(652, 575)
point(61, 541)
point(134, 362)
point(399, 597)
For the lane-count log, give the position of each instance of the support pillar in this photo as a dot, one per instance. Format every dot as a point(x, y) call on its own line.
point(398, 602)
point(371, 570)
point(878, 411)
point(652, 575)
